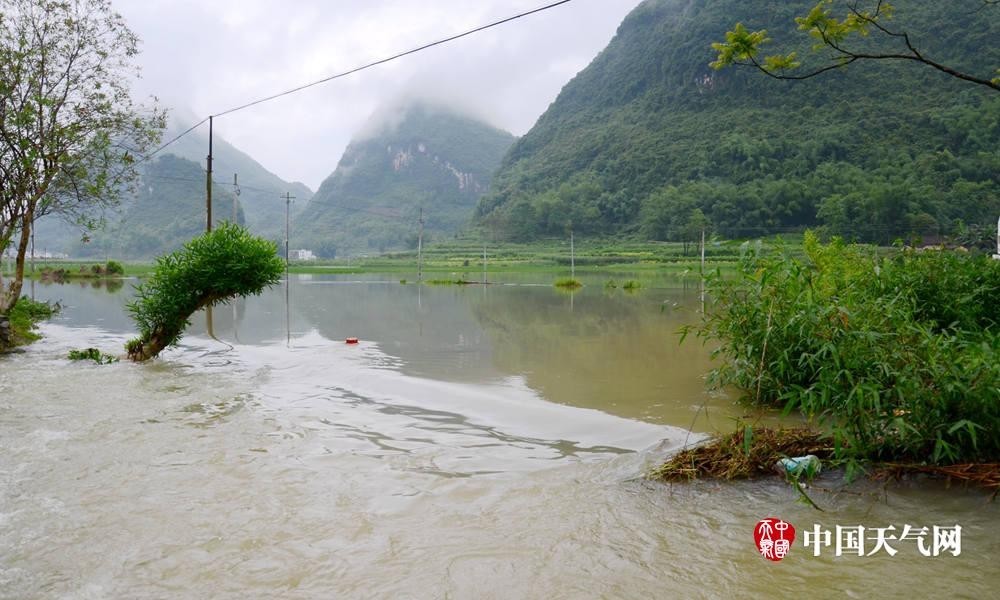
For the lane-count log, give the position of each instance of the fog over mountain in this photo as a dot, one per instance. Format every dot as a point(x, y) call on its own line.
point(212, 56)
point(412, 158)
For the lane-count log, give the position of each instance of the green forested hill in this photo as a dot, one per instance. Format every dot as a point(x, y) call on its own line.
point(260, 189)
point(421, 156)
point(167, 210)
point(171, 195)
point(649, 138)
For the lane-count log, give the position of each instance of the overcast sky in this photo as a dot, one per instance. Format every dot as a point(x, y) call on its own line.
point(206, 56)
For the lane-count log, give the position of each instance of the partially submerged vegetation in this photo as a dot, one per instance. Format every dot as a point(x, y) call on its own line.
point(447, 282)
point(209, 270)
point(93, 354)
point(897, 357)
point(568, 283)
point(111, 269)
point(629, 285)
point(749, 453)
point(18, 327)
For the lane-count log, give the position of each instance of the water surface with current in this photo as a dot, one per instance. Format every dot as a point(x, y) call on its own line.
point(480, 442)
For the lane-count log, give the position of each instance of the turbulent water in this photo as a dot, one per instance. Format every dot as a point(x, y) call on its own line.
point(480, 442)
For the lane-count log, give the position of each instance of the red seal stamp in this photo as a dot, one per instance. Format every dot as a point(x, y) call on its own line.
point(773, 537)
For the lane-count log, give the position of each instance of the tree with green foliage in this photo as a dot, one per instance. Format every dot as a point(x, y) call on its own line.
point(695, 225)
point(211, 269)
point(839, 38)
point(69, 132)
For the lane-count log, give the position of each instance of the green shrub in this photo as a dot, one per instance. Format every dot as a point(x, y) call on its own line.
point(632, 285)
point(114, 268)
point(210, 269)
point(568, 283)
point(900, 356)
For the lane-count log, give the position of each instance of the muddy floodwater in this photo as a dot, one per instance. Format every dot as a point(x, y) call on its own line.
point(479, 442)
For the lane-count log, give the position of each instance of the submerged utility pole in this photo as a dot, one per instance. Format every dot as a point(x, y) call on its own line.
point(32, 249)
point(32, 256)
point(572, 254)
point(703, 251)
point(288, 280)
point(420, 248)
point(208, 180)
point(288, 203)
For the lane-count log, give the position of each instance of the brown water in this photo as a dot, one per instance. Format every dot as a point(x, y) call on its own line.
point(481, 442)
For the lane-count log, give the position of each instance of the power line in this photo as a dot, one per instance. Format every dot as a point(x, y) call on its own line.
point(361, 68)
point(187, 131)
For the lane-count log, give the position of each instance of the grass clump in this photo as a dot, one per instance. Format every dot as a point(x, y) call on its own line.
point(210, 269)
point(632, 285)
point(451, 282)
point(92, 354)
point(568, 283)
point(898, 356)
point(444, 282)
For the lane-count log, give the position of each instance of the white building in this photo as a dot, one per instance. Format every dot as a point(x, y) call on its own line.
point(303, 255)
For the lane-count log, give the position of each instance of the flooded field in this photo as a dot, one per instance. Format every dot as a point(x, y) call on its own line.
point(480, 442)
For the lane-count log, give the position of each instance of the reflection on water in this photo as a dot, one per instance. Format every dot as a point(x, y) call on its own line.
point(110, 285)
point(479, 442)
point(611, 350)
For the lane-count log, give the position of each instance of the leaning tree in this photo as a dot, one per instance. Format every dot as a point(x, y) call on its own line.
point(70, 134)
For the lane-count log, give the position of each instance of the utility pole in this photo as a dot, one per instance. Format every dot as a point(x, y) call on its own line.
point(32, 249)
point(997, 255)
point(572, 253)
point(32, 256)
point(420, 248)
point(236, 199)
point(484, 260)
point(288, 281)
point(288, 203)
point(703, 250)
point(208, 181)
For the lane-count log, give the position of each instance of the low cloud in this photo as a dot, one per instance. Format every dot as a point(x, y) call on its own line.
point(207, 57)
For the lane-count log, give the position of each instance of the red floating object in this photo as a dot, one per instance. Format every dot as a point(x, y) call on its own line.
point(352, 340)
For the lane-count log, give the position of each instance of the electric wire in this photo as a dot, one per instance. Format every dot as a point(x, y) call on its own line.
point(187, 131)
point(385, 212)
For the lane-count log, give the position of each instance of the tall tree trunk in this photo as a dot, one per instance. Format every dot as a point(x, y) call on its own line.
point(10, 297)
